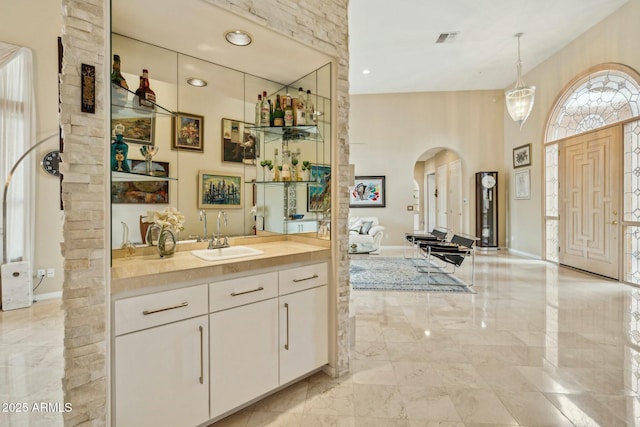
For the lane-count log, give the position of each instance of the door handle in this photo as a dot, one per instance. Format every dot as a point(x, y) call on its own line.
point(614, 222)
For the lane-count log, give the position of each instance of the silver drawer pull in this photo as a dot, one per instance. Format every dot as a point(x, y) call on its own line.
point(146, 312)
point(315, 276)
point(235, 294)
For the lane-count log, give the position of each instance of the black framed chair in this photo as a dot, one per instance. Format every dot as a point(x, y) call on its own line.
point(450, 255)
point(418, 239)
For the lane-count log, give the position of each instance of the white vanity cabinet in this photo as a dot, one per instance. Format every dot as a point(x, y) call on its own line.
point(162, 359)
point(304, 322)
point(191, 355)
point(244, 340)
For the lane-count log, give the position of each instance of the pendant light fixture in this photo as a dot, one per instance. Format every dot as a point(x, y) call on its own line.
point(519, 100)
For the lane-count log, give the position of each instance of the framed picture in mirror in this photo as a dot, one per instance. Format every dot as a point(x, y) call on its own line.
point(142, 192)
point(319, 194)
point(136, 130)
point(188, 132)
point(219, 190)
point(239, 144)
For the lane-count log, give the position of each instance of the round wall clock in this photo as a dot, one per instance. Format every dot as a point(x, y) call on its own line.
point(488, 181)
point(51, 163)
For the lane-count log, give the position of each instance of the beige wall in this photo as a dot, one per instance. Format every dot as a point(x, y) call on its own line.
point(615, 39)
point(39, 31)
point(390, 132)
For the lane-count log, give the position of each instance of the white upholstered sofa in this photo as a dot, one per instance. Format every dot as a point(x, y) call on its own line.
point(365, 229)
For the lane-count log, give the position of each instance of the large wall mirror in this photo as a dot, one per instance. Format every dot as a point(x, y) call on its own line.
point(208, 134)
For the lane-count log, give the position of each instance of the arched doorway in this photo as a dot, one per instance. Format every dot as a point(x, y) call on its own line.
point(593, 125)
point(443, 203)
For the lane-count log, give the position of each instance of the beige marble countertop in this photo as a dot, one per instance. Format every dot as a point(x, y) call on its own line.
point(144, 271)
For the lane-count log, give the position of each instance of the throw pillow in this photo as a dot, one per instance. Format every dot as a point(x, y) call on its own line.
point(366, 226)
point(355, 229)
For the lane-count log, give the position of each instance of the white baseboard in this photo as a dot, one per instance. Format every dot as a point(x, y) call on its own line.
point(523, 254)
point(47, 296)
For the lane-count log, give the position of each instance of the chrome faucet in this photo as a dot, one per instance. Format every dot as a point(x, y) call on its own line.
point(203, 217)
point(218, 242)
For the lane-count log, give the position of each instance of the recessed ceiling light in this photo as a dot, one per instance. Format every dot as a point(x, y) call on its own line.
point(366, 71)
point(238, 37)
point(194, 81)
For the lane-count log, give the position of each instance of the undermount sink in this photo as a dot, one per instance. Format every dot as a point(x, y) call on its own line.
point(225, 253)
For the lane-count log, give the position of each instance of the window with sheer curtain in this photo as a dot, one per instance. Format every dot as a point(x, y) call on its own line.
point(17, 134)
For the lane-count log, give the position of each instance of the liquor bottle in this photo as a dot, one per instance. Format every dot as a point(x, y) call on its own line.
point(288, 112)
point(265, 115)
point(146, 96)
point(278, 114)
point(311, 117)
point(270, 113)
point(258, 118)
point(119, 151)
point(116, 76)
point(299, 113)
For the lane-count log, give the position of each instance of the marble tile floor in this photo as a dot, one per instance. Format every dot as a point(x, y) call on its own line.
point(31, 364)
point(537, 345)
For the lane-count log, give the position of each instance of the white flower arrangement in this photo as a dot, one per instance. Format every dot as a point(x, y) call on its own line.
point(170, 218)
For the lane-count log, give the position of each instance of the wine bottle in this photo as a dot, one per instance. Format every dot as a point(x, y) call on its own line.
point(258, 118)
point(299, 113)
point(288, 112)
point(265, 118)
point(278, 114)
point(311, 117)
point(116, 76)
point(146, 96)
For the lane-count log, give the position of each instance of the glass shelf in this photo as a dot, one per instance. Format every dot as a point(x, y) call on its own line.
point(125, 105)
point(132, 176)
point(289, 133)
point(282, 182)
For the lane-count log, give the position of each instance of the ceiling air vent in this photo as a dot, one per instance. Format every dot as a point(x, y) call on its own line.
point(447, 37)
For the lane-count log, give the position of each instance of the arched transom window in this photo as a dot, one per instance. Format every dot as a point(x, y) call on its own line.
point(608, 94)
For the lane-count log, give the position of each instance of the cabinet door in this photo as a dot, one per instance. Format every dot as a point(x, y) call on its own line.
point(161, 375)
point(303, 332)
point(244, 354)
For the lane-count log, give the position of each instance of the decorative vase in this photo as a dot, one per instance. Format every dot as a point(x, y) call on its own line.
point(153, 234)
point(166, 243)
point(306, 175)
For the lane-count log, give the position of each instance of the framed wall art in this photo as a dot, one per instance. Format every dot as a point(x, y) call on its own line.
point(239, 144)
point(522, 156)
point(368, 192)
point(188, 132)
point(219, 190)
point(136, 130)
point(522, 184)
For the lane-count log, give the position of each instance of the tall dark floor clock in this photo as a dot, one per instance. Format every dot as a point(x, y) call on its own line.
point(487, 209)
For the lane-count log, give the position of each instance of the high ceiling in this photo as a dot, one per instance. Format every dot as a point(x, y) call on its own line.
point(396, 40)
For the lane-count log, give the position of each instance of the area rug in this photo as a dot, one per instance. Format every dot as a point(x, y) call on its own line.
point(401, 274)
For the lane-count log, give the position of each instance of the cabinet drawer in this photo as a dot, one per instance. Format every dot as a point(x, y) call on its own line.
point(146, 311)
point(245, 290)
point(301, 278)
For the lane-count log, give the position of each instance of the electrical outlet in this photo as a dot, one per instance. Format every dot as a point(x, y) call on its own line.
point(41, 273)
point(51, 272)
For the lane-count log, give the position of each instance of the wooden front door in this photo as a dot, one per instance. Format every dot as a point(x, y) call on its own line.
point(589, 201)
